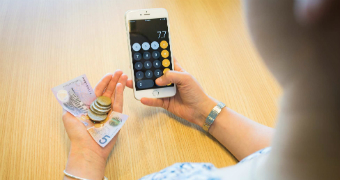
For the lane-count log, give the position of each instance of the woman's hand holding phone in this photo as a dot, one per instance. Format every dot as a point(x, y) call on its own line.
point(190, 102)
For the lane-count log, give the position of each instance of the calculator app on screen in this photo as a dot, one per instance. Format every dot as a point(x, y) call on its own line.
point(150, 49)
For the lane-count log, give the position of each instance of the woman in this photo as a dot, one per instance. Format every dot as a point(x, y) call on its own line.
point(299, 41)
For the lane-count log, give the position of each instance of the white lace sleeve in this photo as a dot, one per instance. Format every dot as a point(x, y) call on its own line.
point(187, 171)
point(195, 171)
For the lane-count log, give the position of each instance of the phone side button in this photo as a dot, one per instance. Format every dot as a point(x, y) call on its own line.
point(142, 84)
point(155, 93)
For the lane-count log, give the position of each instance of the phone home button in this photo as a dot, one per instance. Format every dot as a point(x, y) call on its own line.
point(155, 93)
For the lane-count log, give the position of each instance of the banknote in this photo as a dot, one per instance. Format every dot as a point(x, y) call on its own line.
point(110, 128)
point(76, 96)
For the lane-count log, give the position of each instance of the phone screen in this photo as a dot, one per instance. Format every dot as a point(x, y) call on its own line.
point(150, 49)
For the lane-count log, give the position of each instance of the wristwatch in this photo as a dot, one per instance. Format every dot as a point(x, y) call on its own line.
point(212, 116)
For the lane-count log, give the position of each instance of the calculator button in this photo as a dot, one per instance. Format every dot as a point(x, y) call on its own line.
point(146, 55)
point(147, 64)
point(137, 56)
point(166, 63)
point(139, 75)
point(138, 66)
point(146, 46)
point(156, 64)
point(164, 44)
point(142, 84)
point(155, 54)
point(136, 46)
point(154, 45)
point(166, 70)
point(158, 73)
point(165, 53)
point(148, 74)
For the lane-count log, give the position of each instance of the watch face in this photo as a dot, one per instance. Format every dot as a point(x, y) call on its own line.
point(150, 49)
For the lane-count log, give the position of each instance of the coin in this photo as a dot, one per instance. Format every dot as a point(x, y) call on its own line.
point(103, 101)
point(98, 125)
point(100, 107)
point(96, 117)
point(99, 111)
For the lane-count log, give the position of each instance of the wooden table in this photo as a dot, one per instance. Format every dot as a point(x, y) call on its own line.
point(46, 43)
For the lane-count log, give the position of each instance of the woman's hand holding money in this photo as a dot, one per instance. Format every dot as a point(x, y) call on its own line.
point(87, 159)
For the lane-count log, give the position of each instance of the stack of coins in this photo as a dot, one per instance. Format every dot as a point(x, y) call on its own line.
point(99, 109)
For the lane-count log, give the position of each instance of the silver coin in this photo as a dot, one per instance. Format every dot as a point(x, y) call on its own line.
point(94, 104)
point(97, 112)
point(100, 111)
point(98, 106)
point(95, 117)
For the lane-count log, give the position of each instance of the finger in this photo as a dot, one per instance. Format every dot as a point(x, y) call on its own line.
point(68, 118)
point(110, 89)
point(66, 115)
point(152, 102)
point(123, 79)
point(129, 83)
point(177, 66)
point(172, 77)
point(102, 84)
point(118, 103)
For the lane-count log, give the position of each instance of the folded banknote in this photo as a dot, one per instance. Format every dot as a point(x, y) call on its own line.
point(109, 130)
point(75, 96)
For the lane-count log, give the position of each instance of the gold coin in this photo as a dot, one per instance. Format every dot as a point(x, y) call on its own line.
point(104, 101)
point(165, 53)
point(166, 63)
point(164, 44)
point(98, 125)
point(166, 70)
point(96, 117)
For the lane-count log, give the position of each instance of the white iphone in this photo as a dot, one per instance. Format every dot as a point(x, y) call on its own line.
point(150, 51)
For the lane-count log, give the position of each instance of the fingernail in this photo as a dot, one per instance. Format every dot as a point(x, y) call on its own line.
point(117, 71)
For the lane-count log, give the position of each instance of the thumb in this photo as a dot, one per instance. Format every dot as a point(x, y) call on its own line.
point(172, 77)
point(68, 118)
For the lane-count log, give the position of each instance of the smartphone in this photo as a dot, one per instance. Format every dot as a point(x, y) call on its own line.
point(150, 51)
